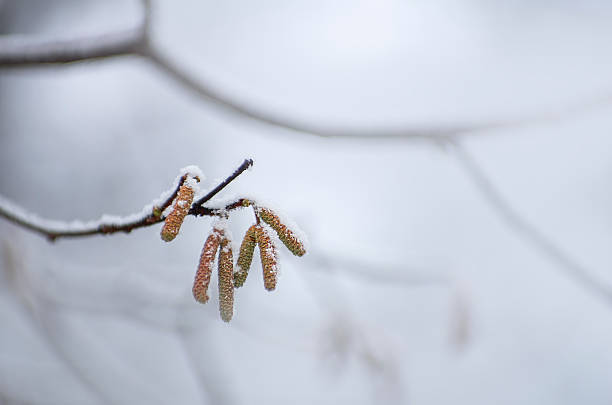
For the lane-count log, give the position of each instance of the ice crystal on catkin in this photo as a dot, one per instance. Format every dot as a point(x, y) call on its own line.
point(267, 253)
point(285, 234)
point(207, 258)
point(175, 219)
point(245, 257)
point(226, 280)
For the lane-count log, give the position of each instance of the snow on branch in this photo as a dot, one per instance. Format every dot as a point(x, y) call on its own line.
point(24, 52)
point(151, 214)
point(219, 241)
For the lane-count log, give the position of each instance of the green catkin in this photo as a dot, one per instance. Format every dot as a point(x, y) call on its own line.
point(245, 257)
point(285, 234)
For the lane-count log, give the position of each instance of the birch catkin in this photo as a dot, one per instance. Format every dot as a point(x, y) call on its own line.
point(285, 234)
point(207, 258)
point(175, 219)
point(226, 280)
point(267, 253)
point(245, 257)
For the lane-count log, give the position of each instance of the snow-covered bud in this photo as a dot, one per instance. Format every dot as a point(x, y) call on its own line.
point(267, 253)
point(207, 258)
point(226, 280)
point(284, 234)
point(182, 203)
point(245, 257)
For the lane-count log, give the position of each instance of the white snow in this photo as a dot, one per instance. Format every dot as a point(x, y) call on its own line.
point(192, 171)
point(10, 209)
point(286, 220)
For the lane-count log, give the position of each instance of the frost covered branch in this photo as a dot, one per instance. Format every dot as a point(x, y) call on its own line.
point(527, 230)
point(219, 239)
point(27, 52)
point(150, 215)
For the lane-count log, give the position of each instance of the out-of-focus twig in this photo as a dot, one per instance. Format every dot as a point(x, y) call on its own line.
point(32, 52)
point(22, 285)
point(529, 232)
point(22, 51)
point(377, 274)
point(207, 92)
point(26, 51)
point(211, 390)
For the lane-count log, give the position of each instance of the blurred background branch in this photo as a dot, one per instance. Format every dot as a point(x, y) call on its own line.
point(527, 230)
point(35, 52)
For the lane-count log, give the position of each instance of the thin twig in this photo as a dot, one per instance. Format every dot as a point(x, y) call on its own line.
point(244, 166)
point(210, 389)
point(63, 230)
point(527, 230)
point(377, 274)
point(25, 51)
point(23, 285)
point(438, 134)
point(30, 52)
point(208, 92)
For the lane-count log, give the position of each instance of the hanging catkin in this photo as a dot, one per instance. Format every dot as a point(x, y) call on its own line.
point(226, 280)
point(245, 257)
point(267, 253)
point(174, 220)
point(285, 234)
point(207, 258)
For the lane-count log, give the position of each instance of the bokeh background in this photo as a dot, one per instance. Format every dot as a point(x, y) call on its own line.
point(419, 286)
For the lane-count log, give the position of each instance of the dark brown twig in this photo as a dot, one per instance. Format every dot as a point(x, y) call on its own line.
point(154, 217)
point(244, 166)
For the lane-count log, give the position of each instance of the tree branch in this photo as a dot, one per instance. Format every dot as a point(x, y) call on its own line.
point(27, 52)
point(377, 274)
point(24, 51)
point(150, 215)
point(33, 52)
point(21, 52)
point(208, 93)
point(244, 166)
point(529, 232)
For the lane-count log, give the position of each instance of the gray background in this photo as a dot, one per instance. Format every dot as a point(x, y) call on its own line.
point(415, 290)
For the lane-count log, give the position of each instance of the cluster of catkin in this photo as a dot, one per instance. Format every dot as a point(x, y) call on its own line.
point(258, 235)
point(218, 241)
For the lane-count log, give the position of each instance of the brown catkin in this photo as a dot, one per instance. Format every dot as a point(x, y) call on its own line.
point(267, 253)
point(245, 257)
point(207, 258)
point(226, 280)
point(285, 234)
point(174, 220)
